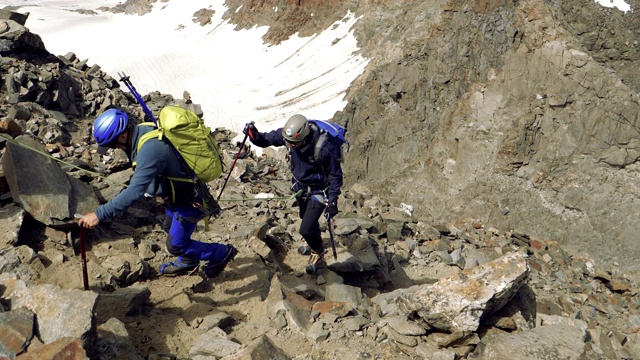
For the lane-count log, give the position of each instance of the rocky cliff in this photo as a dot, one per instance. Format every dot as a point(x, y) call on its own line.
point(508, 128)
point(520, 114)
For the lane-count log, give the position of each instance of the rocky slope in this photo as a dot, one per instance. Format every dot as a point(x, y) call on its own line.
point(524, 115)
point(460, 253)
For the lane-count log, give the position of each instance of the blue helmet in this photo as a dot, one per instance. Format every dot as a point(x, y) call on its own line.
point(109, 125)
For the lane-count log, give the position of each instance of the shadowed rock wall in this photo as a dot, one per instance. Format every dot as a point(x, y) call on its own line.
point(497, 111)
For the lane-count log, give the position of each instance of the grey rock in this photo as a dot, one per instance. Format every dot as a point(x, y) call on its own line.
point(557, 341)
point(456, 303)
point(16, 327)
point(60, 312)
point(113, 342)
point(11, 219)
point(211, 345)
point(43, 189)
point(124, 301)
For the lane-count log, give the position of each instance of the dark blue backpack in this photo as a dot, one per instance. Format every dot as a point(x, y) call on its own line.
point(328, 128)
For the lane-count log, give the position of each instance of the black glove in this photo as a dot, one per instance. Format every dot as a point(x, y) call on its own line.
point(213, 208)
point(217, 211)
point(251, 131)
point(331, 210)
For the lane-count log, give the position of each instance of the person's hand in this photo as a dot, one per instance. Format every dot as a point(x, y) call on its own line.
point(251, 131)
point(331, 210)
point(214, 209)
point(89, 221)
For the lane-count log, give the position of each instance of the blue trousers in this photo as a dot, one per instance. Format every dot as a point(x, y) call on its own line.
point(179, 242)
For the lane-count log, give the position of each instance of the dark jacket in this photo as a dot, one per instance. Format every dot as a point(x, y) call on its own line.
point(325, 174)
point(153, 163)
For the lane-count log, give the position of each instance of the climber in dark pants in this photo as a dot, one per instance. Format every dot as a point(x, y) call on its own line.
point(318, 181)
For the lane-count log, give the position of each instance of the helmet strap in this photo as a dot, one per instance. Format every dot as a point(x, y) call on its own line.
point(306, 142)
point(129, 141)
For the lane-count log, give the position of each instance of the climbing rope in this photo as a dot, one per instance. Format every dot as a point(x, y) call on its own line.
point(96, 174)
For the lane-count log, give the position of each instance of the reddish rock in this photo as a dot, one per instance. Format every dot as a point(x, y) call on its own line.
point(62, 349)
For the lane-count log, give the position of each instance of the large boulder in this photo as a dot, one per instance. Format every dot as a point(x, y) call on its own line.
point(38, 184)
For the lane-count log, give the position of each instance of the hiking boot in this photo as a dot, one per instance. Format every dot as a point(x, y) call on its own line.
point(178, 267)
point(304, 250)
point(315, 262)
point(212, 269)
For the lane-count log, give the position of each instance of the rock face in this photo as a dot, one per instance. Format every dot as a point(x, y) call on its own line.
point(512, 113)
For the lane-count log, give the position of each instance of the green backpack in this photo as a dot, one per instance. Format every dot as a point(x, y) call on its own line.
point(191, 138)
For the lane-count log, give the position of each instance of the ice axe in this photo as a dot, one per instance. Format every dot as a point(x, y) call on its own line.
point(83, 253)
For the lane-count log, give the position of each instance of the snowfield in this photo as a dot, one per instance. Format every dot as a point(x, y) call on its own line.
point(232, 74)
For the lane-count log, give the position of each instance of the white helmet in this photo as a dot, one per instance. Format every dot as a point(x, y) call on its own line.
point(296, 129)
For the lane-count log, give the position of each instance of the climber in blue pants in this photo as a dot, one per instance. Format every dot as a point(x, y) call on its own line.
point(155, 165)
point(183, 220)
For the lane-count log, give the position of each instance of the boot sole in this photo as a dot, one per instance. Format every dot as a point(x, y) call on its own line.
point(181, 272)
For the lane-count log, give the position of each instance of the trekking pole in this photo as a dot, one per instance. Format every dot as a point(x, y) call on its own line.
point(83, 253)
point(234, 164)
point(333, 243)
point(125, 80)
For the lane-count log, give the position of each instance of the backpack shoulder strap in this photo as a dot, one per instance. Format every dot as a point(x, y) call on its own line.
point(143, 139)
point(319, 143)
point(157, 133)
